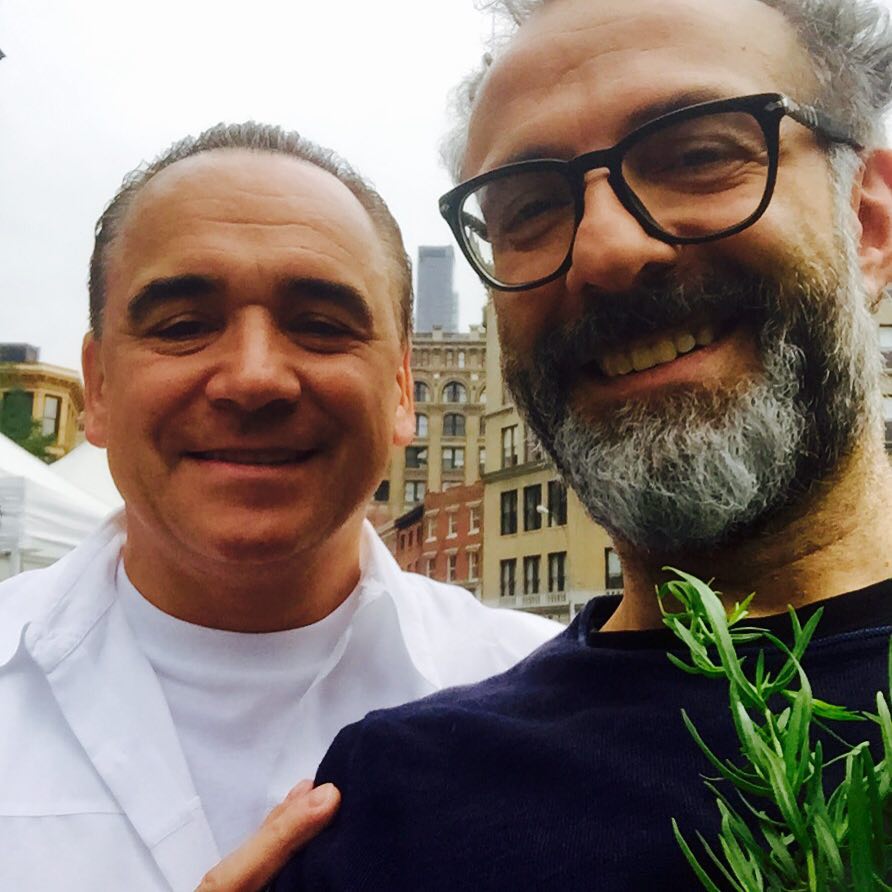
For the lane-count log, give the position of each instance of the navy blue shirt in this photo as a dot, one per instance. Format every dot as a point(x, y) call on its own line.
point(564, 772)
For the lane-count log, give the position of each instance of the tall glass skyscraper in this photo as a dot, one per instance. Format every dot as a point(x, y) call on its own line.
point(436, 303)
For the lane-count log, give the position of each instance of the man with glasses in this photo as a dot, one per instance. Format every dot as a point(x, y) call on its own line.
point(684, 214)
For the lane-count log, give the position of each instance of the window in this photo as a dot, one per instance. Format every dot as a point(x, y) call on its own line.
point(431, 527)
point(449, 359)
point(416, 456)
point(507, 572)
point(382, 493)
point(452, 524)
point(887, 417)
point(557, 568)
point(509, 512)
point(421, 425)
point(461, 359)
point(509, 446)
point(531, 574)
point(557, 503)
point(532, 501)
point(18, 406)
point(453, 458)
point(414, 491)
point(431, 566)
point(886, 343)
point(481, 460)
point(613, 574)
point(473, 565)
point(532, 448)
point(454, 392)
point(482, 398)
point(451, 567)
point(453, 425)
point(474, 519)
point(52, 406)
point(422, 392)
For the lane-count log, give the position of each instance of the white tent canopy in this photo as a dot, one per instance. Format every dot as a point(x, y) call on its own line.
point(42, 515)
point(86, 466)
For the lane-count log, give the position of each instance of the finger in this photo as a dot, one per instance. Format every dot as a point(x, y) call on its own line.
point(287, 828)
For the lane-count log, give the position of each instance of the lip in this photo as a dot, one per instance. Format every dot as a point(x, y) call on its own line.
point(728, 355)
point(254, 464)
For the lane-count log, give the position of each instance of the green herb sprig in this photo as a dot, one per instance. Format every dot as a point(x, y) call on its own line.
point(796, 838)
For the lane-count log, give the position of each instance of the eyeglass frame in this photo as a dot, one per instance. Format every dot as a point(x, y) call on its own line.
point(768, 109)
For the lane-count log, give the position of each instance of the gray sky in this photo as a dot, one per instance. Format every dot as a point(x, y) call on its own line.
point(90, 88)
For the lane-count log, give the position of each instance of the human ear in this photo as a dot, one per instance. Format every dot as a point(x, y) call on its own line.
point(872, 201)
point(404, 423)
point(96, 412)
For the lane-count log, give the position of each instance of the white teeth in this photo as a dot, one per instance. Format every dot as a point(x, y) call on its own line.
point(623, 364)
point(643, 359)
point(664, 351)
point(685, 342)
point(704, 335)
point(647, 355)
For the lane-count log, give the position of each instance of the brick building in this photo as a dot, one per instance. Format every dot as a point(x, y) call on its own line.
point(442, 537)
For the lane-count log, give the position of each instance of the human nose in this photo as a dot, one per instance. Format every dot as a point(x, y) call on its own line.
point(257, 368)
point(611, 251)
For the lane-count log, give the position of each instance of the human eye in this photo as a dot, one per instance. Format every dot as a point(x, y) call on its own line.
point(322, 333)
point(706, 154)
point(183, 329)
point(527, 209)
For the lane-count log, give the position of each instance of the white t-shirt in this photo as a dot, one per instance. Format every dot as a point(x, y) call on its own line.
point(233, 697)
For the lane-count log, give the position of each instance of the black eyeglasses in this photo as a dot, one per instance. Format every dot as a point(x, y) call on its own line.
point(694, 175)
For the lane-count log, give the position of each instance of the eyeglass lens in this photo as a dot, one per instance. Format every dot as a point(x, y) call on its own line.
point(694, 179)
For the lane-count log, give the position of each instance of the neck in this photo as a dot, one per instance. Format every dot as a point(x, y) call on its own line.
point(243, 595)
point(838, 540)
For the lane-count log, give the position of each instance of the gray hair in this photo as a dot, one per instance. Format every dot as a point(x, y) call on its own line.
point(260, 138)
point(849, 43)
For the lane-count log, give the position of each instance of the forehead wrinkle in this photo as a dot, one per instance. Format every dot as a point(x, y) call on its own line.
point(575, 53)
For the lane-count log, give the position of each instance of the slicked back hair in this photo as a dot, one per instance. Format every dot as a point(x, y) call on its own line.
point(260, 138)
point(849, 44)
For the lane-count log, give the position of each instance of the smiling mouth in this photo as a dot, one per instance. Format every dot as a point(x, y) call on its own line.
point(266, 457)
point(655, 350)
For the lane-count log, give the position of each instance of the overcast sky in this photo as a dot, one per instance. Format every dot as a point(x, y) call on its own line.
point(90, 88)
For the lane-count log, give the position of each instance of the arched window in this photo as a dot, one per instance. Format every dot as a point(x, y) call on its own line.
point(454, 392)
point(482, 397)
point(453, 425)
point(420, 425)
point(422, 392)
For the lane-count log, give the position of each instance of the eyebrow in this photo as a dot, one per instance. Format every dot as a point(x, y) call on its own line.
point(161, 291)
point(637, 117)
point(335, 293)
point(191, 286)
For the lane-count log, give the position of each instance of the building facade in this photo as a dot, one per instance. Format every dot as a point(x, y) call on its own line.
point(52, 395)
point(449, 370)
point(541, 552)
point(436, 303)
point(884, 319)
point(442, 537)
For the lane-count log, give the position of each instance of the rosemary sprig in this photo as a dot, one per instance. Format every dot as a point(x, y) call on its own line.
point(794, 838)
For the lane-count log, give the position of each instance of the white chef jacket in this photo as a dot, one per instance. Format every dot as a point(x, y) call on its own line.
point(95, 793)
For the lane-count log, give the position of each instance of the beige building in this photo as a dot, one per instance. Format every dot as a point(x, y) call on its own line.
point(885, 321)
point(53, 395)
point(449, 369)
point(541, 552)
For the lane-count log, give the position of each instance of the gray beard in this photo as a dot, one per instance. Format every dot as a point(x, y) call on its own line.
point(694, 467)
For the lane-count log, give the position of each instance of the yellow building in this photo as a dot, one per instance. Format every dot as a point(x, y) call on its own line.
point(449, 369)
point(884, 317)
point(53, 395)
point(541, 552)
